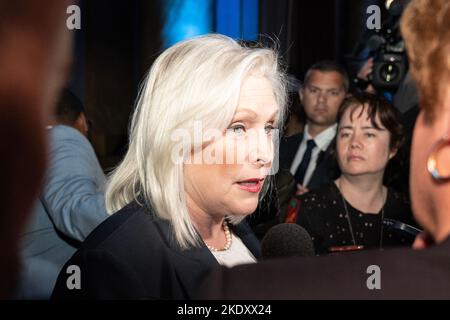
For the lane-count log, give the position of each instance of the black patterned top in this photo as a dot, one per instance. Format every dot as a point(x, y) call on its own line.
point(323, 214)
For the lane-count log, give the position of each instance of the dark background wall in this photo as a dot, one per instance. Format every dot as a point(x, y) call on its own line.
point(116, 45)
point(309, 31)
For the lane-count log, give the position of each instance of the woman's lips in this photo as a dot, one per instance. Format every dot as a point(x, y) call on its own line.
point(251, 185)
point(355, 158)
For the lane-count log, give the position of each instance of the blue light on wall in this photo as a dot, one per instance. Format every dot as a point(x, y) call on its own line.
point(238, 18)
point(184, 19)
point(250, 19)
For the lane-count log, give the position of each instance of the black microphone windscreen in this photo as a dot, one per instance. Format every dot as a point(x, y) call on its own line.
point(286, 240)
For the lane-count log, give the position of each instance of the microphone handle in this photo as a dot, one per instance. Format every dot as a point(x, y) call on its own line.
point(398, 225)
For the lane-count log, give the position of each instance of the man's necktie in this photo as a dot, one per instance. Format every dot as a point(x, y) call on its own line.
point(301, 170)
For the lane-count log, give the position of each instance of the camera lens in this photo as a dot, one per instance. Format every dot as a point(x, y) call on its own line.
point(389, 72)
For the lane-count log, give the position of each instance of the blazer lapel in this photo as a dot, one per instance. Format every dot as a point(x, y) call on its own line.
point(244, 232)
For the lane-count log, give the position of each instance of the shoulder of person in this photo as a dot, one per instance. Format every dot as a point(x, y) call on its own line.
point(62, 131)
point(399, 207)
point(294, 139)
point(66, 138)
point(398, 201)
point(135, 246)
point(316, 202)
point(134, 224)
point(398, 197)
point(322, 194)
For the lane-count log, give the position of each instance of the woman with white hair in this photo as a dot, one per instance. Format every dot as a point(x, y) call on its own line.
point(202, 144)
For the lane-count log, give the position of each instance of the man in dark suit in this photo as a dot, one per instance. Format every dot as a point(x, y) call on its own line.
point(308, 155)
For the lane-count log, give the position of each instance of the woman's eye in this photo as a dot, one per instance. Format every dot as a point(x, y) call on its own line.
point(344, 134)
point(269, 129)
point(237, 129)
point(370, 135)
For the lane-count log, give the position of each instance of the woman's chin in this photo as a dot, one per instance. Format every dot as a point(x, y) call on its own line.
point(245, 207)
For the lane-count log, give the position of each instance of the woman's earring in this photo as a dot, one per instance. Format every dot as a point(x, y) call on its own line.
point(432, 162)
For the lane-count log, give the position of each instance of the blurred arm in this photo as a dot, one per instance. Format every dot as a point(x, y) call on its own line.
point(74, 191)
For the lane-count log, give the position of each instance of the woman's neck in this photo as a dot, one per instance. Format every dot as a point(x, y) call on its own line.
point(365, 193)
point(208, 226)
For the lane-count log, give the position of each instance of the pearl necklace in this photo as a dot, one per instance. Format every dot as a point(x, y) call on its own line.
point(227, 237)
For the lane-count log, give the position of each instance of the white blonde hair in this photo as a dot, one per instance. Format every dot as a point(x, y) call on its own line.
point(197, 79)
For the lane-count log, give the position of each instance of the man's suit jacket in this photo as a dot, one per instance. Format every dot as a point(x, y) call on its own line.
point(403, 274)
point(70, 206)
point(326, 168)
point(133, 255)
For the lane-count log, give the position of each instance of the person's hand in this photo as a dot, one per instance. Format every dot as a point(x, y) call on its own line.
point(365, 70)
point(422, 241)
point(301, 190)
point(370, 89)
point(363, 75)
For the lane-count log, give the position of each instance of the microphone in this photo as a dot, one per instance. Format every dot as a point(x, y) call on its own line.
point(401, 228)
point(286, 240)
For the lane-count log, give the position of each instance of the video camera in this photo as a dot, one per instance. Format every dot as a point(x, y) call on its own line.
point(387, 48)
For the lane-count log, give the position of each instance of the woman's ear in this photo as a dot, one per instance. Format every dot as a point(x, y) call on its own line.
point(393, 152)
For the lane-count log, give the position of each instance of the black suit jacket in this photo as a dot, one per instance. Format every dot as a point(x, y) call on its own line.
point(404, 274)
point(326, 166)
point(133, 255)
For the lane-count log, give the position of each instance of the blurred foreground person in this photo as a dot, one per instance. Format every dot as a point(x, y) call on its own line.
point(398, 273)
point(34, 53)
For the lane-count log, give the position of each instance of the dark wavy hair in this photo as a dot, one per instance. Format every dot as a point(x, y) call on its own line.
point(389, 116)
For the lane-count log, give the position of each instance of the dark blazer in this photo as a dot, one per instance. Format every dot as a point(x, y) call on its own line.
point(133, 255)
point(326, 166)
point(404, 274)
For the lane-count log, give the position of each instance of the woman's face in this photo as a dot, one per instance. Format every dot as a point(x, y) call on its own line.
point(361, 148)
point(230, 184)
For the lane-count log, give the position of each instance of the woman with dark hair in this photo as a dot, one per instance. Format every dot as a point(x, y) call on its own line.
point(354, 211)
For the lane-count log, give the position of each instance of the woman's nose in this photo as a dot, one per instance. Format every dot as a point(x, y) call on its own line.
point(261, 149)
point(355, 142)
point(355, 146)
